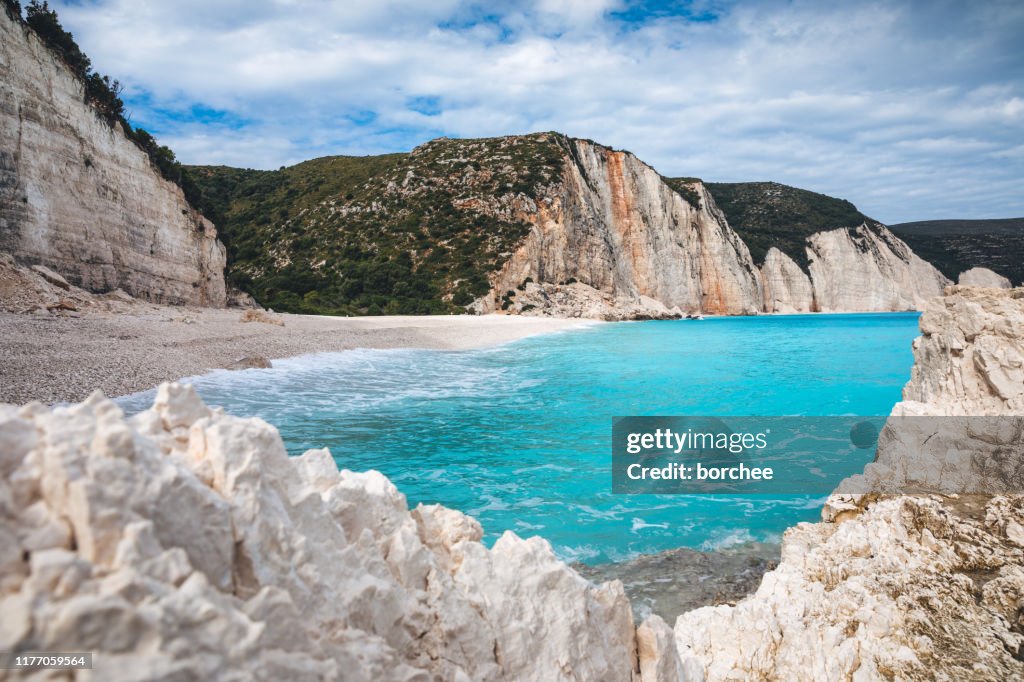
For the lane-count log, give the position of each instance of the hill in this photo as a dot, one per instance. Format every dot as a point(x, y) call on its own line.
point(767, 214)
point(399, 233)
point(958, 245)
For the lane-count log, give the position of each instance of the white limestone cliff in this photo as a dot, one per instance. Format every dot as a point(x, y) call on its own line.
point(79, 197)
point(183, 543)
point(613, 240)
point(869, 269)
point(787, 288)
point(614, 228)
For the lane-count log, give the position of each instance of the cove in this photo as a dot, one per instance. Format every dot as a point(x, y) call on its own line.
point(518, 435)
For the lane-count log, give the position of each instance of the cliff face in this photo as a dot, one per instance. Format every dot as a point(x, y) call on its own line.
point(612, 239)
point(79, 197)
point(869, 268)
point(787, 288)
point(613, 226)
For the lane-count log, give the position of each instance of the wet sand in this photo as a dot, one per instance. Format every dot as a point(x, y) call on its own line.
point(59, 357)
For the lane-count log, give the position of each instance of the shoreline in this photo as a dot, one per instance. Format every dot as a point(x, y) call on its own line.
point(133, 348)
point(675, 581)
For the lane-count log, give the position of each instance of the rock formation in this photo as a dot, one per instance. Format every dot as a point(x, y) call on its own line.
point(184, 543)
point(983, 277)
point(613, 240)
point(787, 288)
point(904, 587)
point(969, 359)
point(869, 268)
point(80, 198)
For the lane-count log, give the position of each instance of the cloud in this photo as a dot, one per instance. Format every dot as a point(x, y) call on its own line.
point(911, 110)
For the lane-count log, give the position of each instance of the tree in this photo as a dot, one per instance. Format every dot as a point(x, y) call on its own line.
point(45, 23)
point(13, 9)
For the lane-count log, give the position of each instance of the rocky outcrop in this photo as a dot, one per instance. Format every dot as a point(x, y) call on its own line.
point(896, 587)
point(611, 239)
point(969, 359)
point(80, 198)
point(983, 277)
point(787, 288)
point(906, 590)
point(869, 269)
point(612, 225)
point(184, 543)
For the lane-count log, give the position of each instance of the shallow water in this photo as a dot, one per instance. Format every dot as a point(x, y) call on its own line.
point(519, 435)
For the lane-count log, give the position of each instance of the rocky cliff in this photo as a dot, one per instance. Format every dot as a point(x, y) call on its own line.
point(80, 198)
point(613, 239)
point(615, 227)
point(545, 224)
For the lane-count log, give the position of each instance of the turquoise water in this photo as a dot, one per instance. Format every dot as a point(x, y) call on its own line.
point(519, 435)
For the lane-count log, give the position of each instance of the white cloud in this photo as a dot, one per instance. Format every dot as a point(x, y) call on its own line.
point(910, 110)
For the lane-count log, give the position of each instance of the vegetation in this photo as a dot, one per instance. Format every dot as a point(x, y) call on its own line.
point(684, 187)
point(399, 233)
point(767, 214)
point(100, 91)
point(954, 246)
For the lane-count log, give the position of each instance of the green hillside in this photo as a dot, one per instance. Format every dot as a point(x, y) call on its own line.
point(399, 233)
point(767, 214)
point(957, 245)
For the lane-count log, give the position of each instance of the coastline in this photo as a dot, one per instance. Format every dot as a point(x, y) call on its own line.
point(60, 358)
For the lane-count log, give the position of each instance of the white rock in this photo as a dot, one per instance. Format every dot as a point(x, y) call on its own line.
point(983, 277)
point(869, 269)
point(84, 200)
point(185, 542)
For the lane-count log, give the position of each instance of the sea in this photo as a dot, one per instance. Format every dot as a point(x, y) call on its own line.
point(519, 435)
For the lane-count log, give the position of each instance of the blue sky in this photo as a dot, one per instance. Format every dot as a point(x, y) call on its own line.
point(910, 110)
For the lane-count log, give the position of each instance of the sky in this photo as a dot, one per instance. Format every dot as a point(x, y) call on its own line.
point(912, 110)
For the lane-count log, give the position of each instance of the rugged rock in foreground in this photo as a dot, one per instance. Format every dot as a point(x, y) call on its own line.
point(910, 588)
point(79, 197)
point(185, 544)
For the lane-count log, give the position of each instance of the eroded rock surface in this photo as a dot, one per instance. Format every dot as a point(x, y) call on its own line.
point(611, 239)
point(185, 543)
point(983, 277)
point(78, 197)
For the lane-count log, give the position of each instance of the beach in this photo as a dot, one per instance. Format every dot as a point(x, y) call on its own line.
point(62, 358)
